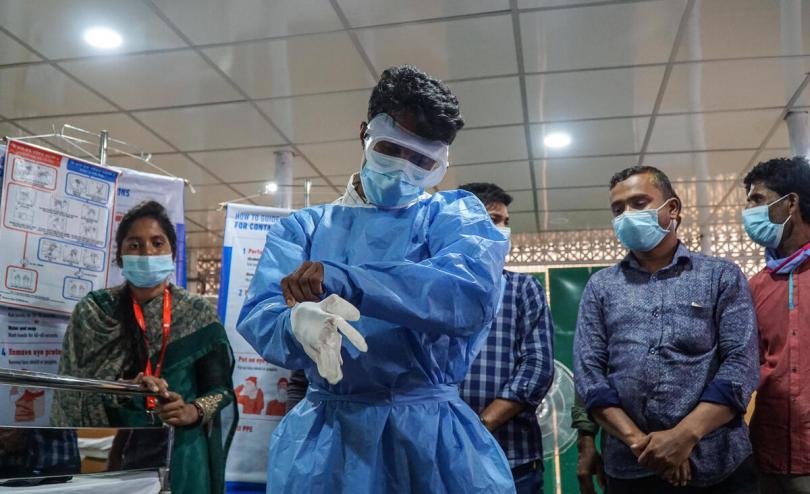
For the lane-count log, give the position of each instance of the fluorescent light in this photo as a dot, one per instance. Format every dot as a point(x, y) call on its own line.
point(102, 37)
point(557, 140)
point(271, 188)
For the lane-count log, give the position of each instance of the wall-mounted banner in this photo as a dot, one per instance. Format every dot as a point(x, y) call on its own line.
point(261, 387)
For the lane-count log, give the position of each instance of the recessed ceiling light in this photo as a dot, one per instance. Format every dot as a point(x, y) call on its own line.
point(271, 188)
point(557, 140)
point(102, 37)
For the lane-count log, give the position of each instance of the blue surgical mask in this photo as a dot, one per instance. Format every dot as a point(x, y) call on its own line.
point(639, 230)
point(760, 228)
point(387, 190)
point(147, 271)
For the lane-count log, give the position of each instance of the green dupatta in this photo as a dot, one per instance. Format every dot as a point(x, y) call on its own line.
point(198, 366)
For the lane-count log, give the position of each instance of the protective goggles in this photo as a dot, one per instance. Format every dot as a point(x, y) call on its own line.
point(390, 148)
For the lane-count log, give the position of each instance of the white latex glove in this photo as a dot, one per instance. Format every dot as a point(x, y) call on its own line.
point(317, 326)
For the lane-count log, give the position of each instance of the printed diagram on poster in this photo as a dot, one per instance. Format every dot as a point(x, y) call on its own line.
point(56, 221)
point(260, 387)
point(28, 341)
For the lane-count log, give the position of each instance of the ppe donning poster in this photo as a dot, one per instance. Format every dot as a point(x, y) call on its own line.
point(261, 387)
point(56, 214)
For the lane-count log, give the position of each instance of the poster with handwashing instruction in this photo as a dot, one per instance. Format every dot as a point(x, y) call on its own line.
point(56, 223)
point(260, 387)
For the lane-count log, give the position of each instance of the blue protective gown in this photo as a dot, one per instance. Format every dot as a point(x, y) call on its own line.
point(427, 281)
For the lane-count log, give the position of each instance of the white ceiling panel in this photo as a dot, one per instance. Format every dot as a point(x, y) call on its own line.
point(595, 137)
point(522, 200)
point(335, 158)
point(294, 66)
point(318, 118)
point(157, 80)
point(533, 4)
point(212, 127)
point(712, 165)
point(13, 52)
point(489, 145)
point(55, 27)
point(522, 222)
point(244, 165)
point(365, 13)
point(746, 28)
point(733, 85)
point(447, 50)
point(215, 21)
point(42, 90)
point(577, 220)
point(175, 164)
point(712, 131)
point(512, 175)
point(487, 102)
point(119, 126)
point(600, 36)
point(589, 94)
point(209, 197)
point(8, 130)
point(565, 201)
point(594, 173)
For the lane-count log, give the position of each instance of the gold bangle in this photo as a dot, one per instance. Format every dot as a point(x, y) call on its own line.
point(208, 406)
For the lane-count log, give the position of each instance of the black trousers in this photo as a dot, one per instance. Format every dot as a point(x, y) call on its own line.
point(742, 481)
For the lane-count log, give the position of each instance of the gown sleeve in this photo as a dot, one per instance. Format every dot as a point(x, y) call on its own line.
point(456, 291)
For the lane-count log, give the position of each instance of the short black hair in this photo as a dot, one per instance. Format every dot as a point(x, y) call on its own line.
point(660, 179)
point(406, 89)
point(784, 176)
point(488, 193)
point(146, 209)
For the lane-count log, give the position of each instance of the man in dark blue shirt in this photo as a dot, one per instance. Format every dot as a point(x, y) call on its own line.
point(665, 353)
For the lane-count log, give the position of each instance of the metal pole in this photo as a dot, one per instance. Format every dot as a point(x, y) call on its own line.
point(798, 132)
point(102, 147)
point(307, 192)
point(284, 179)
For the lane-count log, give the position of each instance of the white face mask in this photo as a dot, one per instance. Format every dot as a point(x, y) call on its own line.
point(507, 232)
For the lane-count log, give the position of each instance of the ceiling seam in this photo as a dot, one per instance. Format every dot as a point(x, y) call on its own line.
point(676, 44)
point(99, 95)
point(239, 89)
point(524, 99)
point(107, 100)
point(763, 145)
point(355, 39)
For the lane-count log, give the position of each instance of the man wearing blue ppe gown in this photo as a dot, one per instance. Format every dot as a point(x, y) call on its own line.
point(413, 283)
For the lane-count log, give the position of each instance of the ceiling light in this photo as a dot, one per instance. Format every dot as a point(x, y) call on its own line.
point(557, 140)
point(271, 188)
point(102, 37)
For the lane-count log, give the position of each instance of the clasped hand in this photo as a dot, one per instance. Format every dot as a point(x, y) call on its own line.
point(666, 453)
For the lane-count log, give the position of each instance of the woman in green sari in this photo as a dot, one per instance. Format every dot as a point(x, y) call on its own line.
point(151, 332)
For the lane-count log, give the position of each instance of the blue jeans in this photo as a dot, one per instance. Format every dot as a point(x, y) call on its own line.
point(530, 482)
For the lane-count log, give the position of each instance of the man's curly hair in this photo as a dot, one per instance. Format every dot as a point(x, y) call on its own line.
point(407, 90)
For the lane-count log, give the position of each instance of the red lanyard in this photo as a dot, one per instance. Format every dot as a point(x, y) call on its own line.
point(167, 323)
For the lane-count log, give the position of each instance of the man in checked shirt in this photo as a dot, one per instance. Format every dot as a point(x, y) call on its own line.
point(515, 367)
